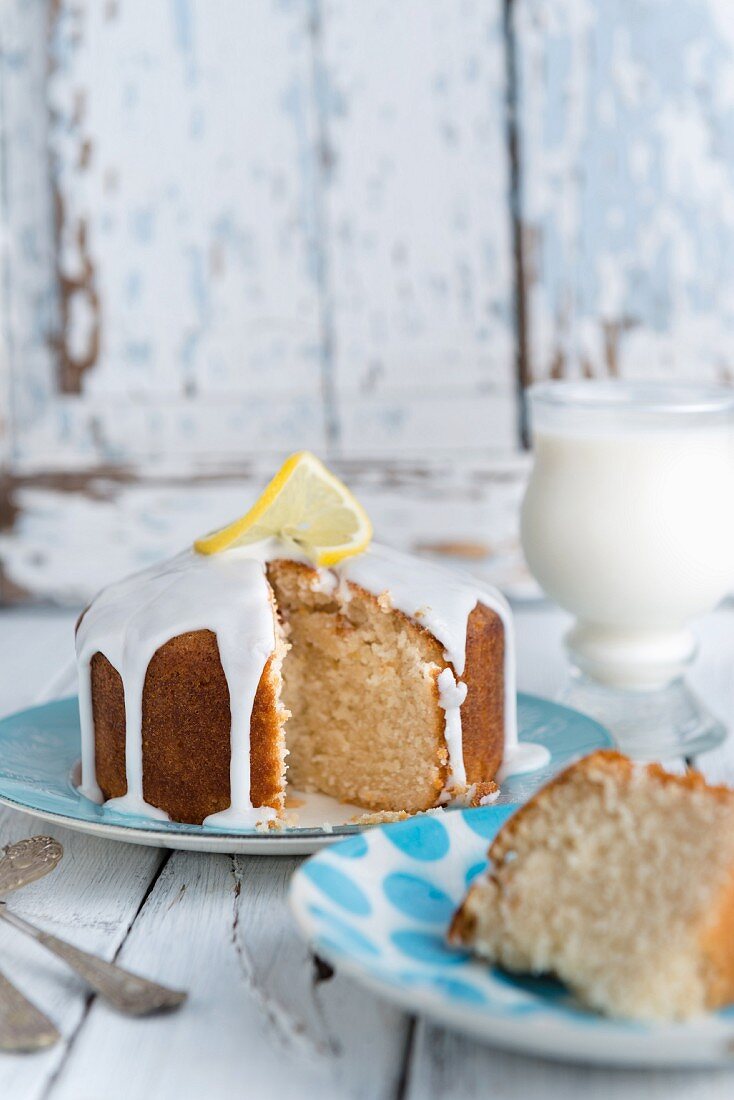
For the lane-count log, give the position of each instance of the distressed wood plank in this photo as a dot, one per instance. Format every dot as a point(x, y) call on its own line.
point(625, 135)
point(183, 145)
point(259, 1019)
point(35, 645)
point(418, 262)
point(467, 512)
point(447, 1064)
point(90, 901)
point(26, 219)
point(92, 897)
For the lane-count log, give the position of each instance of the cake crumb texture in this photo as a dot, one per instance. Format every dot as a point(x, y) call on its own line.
point(618, 879)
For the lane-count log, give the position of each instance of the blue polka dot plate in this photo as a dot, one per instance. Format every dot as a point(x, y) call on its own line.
point(378, 905)
point(39, 752)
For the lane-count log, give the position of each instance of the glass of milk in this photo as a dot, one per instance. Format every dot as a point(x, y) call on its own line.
point(628, 523)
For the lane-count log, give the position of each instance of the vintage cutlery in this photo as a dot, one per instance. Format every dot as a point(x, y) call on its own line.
point(29, 860)
point(23, 1027)
point(127, 992)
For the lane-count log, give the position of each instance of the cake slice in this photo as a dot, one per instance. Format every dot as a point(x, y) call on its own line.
point(618, 879)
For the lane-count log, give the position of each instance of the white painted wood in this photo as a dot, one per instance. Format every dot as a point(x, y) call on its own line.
point(445, 1064)
point(262, 241)
point(624, 115)
point(215, 298)
point(183, 143)
point(90, 901)
point(92, 897)
point(258, 1022)
point(418, 260)
point(34, 645)
point(470, 508)
point(27, 372)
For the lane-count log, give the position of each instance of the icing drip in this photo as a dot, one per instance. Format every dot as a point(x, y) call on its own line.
point(442, 600)
point(229, 595)
point(451, 695)
point(437, 598)
point(131, 620)
point(88, 786)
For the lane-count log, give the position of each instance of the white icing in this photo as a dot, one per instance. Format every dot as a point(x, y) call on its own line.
point(229, 595)
point(442, 600)
point(131, 620)
point(451, 696)
point(88, 786)
point(437, 598)
point(522, 757)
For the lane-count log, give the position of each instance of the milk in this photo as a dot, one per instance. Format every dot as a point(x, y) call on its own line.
point(628, 522)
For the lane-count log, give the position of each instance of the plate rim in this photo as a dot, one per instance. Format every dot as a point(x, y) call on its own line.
point(287, 841)
point(223, 843)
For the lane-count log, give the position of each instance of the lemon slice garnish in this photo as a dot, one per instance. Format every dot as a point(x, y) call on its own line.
point(304, 506)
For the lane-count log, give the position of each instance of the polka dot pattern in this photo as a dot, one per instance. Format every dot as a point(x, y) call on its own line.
point(476, 869)
point(419, 898)
point(353, 848)
point(337, 886)
point(422, 838)
point(487, 820)
point(426, 947)
point(344, 935)
point(380, 905)
point(459, 991)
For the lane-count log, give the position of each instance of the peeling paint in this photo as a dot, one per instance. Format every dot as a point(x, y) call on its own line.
point(351, 227)
point(78, 341)
point(626, 121)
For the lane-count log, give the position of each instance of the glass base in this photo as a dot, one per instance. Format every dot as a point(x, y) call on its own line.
point(648, 725)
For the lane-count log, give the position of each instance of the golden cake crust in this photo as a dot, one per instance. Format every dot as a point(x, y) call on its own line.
point(186, 731)
point(608, 759)
point(483, 712)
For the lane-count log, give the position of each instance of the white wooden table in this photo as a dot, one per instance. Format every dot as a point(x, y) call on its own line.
point(264, 1018)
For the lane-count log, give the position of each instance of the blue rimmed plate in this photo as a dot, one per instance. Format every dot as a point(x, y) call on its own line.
point(39, 752)
point(377, 906)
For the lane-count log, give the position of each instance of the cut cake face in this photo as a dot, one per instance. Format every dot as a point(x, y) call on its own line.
point(618, 879)
point(209, 683)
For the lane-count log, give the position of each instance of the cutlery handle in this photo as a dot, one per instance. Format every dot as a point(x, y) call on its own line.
point(23, 1027)
point(27, 861)
point(127, 992)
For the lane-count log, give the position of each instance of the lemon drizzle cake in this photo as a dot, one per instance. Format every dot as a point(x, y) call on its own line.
point(384, 680)
point(230, 595)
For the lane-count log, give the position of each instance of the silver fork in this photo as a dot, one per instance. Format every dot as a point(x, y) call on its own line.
point(127, 992)
point(23, 1027)
point(28, 861)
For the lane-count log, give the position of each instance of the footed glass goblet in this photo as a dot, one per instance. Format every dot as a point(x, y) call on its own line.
point(628, 523)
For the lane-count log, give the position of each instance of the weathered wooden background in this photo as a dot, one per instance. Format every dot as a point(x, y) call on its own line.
point(234, 228)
